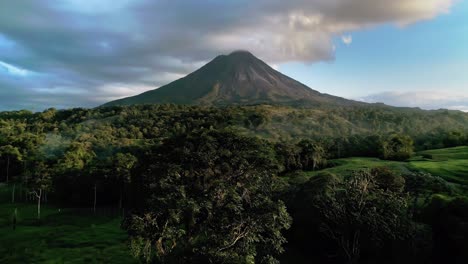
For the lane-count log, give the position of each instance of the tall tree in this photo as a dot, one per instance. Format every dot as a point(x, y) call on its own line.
point(10, 153)
point(358, 214)
point(74, 166)
point(397, 147)
point(122, 165)
point(211, 201)
point(312, 154)
point(39, 180)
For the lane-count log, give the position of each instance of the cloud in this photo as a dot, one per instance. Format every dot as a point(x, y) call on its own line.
point(424, 99)
point(12, 70)
point(347, 39)
point(87, 45)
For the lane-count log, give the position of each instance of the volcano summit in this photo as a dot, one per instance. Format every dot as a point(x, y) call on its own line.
point(239, 78)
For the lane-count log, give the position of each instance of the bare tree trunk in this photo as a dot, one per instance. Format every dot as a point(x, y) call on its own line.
point(121, 197)
point(95, 196)
point(21, 193)
point(8, 169)
point(15, 216)
point(13, 194)
point(120, 202)
point(39, 196)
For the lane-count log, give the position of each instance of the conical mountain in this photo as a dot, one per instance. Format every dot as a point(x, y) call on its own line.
point(237, 78)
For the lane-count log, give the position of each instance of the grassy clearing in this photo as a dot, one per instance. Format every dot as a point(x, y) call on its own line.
point(458, 153)
point(346, 166)
point(60, 237)
point(450, 164)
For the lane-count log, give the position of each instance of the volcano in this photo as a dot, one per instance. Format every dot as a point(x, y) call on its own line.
point(239, 78)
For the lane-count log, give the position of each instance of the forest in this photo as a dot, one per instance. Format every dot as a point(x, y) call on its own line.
point(240, 184)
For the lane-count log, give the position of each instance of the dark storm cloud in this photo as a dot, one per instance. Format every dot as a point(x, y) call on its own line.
point(83, 53)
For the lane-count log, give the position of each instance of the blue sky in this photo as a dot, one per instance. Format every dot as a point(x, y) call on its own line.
point(71, 53)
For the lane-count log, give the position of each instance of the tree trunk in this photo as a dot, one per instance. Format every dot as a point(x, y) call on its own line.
point(95, 196)
point(8, 169)
point(415, 203)
point(120, 201)
point(39, 204)
point(15, 216)
point(121, 197)
point(13, 194)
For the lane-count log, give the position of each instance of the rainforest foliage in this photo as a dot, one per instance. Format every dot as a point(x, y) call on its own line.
point(220, 184)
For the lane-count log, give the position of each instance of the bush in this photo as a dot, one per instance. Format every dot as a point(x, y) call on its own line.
point(427, 156)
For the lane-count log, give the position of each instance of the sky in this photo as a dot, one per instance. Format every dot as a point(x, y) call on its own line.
point(75, 53)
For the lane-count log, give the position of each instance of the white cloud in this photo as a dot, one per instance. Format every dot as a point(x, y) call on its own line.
point(275, 66)
point(431, 99)
point(463, 108)
point(113, 91)
point(13, 70)
point(347, 39)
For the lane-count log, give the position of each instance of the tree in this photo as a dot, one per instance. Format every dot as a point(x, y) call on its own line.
point(386, 179)
point(122, 165)
point(211, 201)
point(75, 166)
point(288, 156)
point(397, 147)
point(448, 218)
point(312, 154)
point(357, 215)
point(39, 179)
point(10, 153)
point(255, 120)
point(422, 184)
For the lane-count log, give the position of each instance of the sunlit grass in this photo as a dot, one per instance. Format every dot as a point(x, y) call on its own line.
point(346, 166)
point(60, 237)
point(450, 164)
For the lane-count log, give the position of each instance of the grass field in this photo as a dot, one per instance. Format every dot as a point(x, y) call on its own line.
point(450, 164)
point(60, 237)
point(346, 166)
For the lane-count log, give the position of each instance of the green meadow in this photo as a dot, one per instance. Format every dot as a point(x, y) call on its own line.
point(450, 164)
point(60, 237)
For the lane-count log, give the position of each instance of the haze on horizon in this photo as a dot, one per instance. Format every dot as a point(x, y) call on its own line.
point(72, 53)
